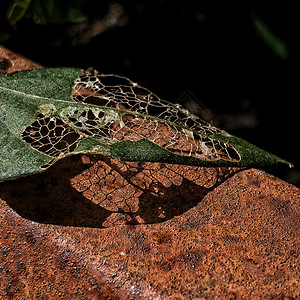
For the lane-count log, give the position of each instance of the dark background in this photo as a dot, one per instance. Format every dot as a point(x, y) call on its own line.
point(235, 65)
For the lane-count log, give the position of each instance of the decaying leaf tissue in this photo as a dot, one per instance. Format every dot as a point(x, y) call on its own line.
point(48, 114)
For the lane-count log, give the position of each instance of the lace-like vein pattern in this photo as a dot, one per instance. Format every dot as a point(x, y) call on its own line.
point(144, 115)
point(122, 93)
point(118, 110)
point(51, 136)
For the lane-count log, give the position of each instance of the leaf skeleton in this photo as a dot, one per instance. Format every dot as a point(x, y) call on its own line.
point(47, 114)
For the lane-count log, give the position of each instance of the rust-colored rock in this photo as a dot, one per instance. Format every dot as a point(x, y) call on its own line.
point(212, 235)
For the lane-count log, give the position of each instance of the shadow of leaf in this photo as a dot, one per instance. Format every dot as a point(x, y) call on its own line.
point(101, 191)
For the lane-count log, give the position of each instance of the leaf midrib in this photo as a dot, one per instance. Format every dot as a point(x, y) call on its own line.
point(121, 111)
point(33, 96)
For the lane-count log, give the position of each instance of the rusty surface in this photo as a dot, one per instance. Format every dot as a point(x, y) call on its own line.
point(213, 233)
point(17, 61)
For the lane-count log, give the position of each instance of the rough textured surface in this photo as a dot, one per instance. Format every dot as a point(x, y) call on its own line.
point(233, 237)
point(17, 61)
point(241, 240)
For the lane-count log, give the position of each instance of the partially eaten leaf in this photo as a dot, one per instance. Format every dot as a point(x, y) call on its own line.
point(48, 114)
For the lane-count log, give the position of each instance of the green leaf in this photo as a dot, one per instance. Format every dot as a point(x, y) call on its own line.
point(42, 11)
point(46, 11)
point(277, 45)
point(48, 114)
point(17, 10)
